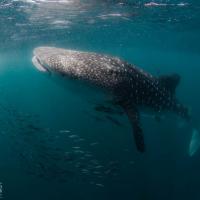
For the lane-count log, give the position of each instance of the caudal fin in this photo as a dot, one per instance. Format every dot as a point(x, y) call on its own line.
point(194, 142)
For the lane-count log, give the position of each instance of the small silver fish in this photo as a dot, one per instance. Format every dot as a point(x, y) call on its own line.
point(73, 136)
point(99, 185)
point(93, 143)
point(64, 131)
point(99, 167)
point(76, 147)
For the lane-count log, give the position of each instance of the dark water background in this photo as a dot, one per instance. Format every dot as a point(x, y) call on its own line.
point(54, 145)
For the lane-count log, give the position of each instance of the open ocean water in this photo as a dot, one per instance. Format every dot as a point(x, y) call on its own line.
point(54, 144)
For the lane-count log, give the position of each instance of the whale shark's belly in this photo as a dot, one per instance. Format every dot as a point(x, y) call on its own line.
point(83, 90)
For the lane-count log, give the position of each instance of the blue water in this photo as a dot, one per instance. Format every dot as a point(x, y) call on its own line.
point(53, 144)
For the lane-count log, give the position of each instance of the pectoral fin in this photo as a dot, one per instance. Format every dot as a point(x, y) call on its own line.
point(134, 118)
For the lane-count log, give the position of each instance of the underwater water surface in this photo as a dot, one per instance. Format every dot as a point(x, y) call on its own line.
point(55, 144)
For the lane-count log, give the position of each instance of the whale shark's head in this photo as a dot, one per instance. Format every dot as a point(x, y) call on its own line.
point(46, 58)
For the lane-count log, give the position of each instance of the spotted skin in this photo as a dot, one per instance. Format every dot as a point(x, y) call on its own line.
point(130, 86)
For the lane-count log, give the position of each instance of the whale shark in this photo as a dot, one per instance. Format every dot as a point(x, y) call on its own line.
point(194, 142)
point(131, 87)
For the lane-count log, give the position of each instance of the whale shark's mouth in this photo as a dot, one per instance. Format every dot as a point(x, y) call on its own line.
point(39, 65)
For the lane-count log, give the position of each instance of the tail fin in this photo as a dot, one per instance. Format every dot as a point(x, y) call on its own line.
point(194, 143)
point(170, 82)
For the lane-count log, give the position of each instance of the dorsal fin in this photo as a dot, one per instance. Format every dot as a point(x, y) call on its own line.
point(170, 82)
